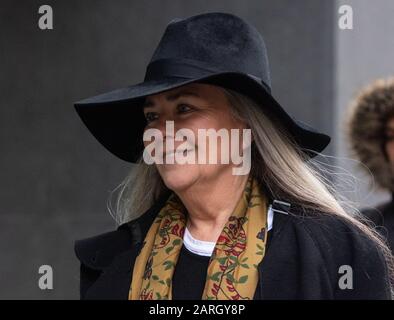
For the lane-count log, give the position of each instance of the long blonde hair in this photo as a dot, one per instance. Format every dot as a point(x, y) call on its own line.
point(278, 164)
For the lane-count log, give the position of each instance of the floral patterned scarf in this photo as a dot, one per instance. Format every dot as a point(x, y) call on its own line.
point(232, 271)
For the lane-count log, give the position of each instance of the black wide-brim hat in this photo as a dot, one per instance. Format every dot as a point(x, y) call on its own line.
point(215, 48)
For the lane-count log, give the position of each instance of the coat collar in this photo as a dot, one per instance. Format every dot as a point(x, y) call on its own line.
point(113, 254)
point(98, 252)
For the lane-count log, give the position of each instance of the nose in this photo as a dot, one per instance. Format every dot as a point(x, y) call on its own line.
point(169, 128)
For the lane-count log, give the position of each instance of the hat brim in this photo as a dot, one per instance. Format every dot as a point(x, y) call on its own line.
point(117, 121)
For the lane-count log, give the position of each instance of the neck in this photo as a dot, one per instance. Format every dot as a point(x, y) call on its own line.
point(210, 204)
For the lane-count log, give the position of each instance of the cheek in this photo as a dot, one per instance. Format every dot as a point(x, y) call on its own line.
point(196, 122)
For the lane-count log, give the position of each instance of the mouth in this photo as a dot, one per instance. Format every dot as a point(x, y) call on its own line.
point(172, 152)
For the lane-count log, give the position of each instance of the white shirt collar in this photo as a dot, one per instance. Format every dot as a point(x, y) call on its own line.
point(205, 248)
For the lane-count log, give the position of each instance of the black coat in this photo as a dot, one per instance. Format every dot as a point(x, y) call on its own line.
point(302, 260)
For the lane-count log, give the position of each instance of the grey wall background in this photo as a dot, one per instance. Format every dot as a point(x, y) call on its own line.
point(55, 178)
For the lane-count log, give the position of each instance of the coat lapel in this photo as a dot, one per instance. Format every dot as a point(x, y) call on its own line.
point(114, 282)
point(279, 223)
point(116, 270)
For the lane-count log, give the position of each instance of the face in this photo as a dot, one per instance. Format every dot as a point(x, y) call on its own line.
point(390, 140)
point(192, 107)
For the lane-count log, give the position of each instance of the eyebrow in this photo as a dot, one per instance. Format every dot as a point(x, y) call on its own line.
point(172, 97)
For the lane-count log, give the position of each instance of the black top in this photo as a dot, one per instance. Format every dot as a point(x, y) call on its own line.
point(189, 276)
point(302, 260)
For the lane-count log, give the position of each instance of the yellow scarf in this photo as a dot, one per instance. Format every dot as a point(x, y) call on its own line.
point(232, 270)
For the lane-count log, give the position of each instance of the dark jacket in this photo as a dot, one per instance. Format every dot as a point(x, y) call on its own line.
point(302, 260)
point(383, 217)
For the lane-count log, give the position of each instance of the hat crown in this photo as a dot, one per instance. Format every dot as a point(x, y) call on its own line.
point(215, 48)
point(221, 40)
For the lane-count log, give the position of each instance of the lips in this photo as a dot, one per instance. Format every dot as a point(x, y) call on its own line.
point(170, 153)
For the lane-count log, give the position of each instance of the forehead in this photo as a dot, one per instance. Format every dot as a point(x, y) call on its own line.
point(195, 90)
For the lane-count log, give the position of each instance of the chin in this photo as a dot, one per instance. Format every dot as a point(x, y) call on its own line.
point(178, 177)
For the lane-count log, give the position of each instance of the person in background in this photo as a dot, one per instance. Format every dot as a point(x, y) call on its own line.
point(371, 133)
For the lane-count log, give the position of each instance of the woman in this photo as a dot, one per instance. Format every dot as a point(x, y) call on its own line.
point(203, 230)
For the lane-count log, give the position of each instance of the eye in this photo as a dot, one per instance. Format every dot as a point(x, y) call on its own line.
point(151, 116)
point(183, 108)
